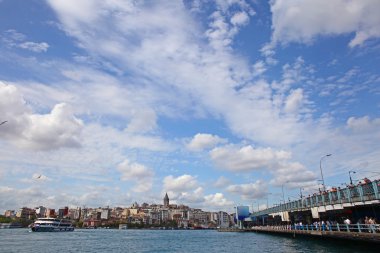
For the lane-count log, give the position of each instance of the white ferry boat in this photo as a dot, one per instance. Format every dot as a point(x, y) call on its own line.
point(51, 225)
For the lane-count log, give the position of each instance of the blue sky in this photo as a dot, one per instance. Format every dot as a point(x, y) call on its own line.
point(217, 103)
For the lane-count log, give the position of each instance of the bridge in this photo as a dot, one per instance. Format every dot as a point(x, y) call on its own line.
point(367, 194)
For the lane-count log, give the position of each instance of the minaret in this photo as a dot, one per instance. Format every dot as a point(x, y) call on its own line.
point(166, 200)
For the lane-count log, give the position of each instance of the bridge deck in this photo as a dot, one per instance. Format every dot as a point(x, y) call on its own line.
point(337, 198)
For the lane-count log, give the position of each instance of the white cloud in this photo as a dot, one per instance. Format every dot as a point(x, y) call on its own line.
point(247, 158)
point(14, 35)
point(190, 197)
point(302, 21)
point(224, 25)
point(36, 178)
point(201, 81)
point(268, 52)
point(12, 38)
point(180, 184)
point(240, 18)
point(258, 68)
point(142, 121)
point(293, 175)
point(34, 46)
point(363, 124)
point(59, 128)
point(221, 182)
point(138, 173)
point(76, 13)
point(196, 198)
point(255, 190)
point(204, 141)
point(73, 197)
point(16, 198)
point(217, 200)
point(294, 101)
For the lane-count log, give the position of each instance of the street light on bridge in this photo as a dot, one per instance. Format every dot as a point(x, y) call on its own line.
point(320, 167)
point(349, 173)
point(268, 199)
point(282, 188)
point(301, 191)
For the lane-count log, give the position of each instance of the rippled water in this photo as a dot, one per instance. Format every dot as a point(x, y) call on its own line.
point(102, 240)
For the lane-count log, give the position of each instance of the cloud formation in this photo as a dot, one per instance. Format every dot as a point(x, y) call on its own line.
point(255, 190)
point(181, 183)
point(137, 173)
point(57, 129)
point(247, 158)
point(12, 38)
point(303, 20)
point(204, 141)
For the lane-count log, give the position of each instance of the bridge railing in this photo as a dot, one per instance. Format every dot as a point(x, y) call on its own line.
point(350, 194)
point(352, 228)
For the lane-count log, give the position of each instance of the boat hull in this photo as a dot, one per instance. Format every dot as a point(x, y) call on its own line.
point(51, 229)
point(51, 225)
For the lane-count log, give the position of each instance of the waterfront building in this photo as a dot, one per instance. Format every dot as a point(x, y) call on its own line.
point(105, 214)
point(178, 213)
point(117, 212)
point(198, 217)
point(224, 220)
point(84, 213)
point(50, 213)
point(40, 211)
point(182, 223)
point(10, 213)
point(63, 212)
point(26, 213)
point(164, 215)
point(92, 223)
point(155, 216)
point(213, 217)
point(75, 214)
point(125, 213)
point(133, 211)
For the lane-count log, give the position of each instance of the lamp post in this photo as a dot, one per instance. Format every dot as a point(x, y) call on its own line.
point(320, 167)
point(301, 192)
point(349, 173)
point(282, 188)
point(268, 199)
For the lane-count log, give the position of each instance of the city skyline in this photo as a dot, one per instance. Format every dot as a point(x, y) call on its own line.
point(217, 103)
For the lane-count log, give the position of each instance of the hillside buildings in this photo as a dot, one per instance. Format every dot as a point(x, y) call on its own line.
point(144, 215)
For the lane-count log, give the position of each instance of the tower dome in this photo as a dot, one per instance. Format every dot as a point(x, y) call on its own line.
point(166, 200)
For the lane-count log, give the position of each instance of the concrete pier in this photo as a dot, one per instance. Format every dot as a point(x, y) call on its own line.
point(367, 237)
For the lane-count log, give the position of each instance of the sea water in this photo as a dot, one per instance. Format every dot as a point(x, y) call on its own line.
point(130, 240)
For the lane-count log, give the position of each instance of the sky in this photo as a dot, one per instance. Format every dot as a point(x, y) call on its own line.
point(218, 103)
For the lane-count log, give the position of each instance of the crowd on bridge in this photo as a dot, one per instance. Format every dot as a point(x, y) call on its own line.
point(368, 224)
